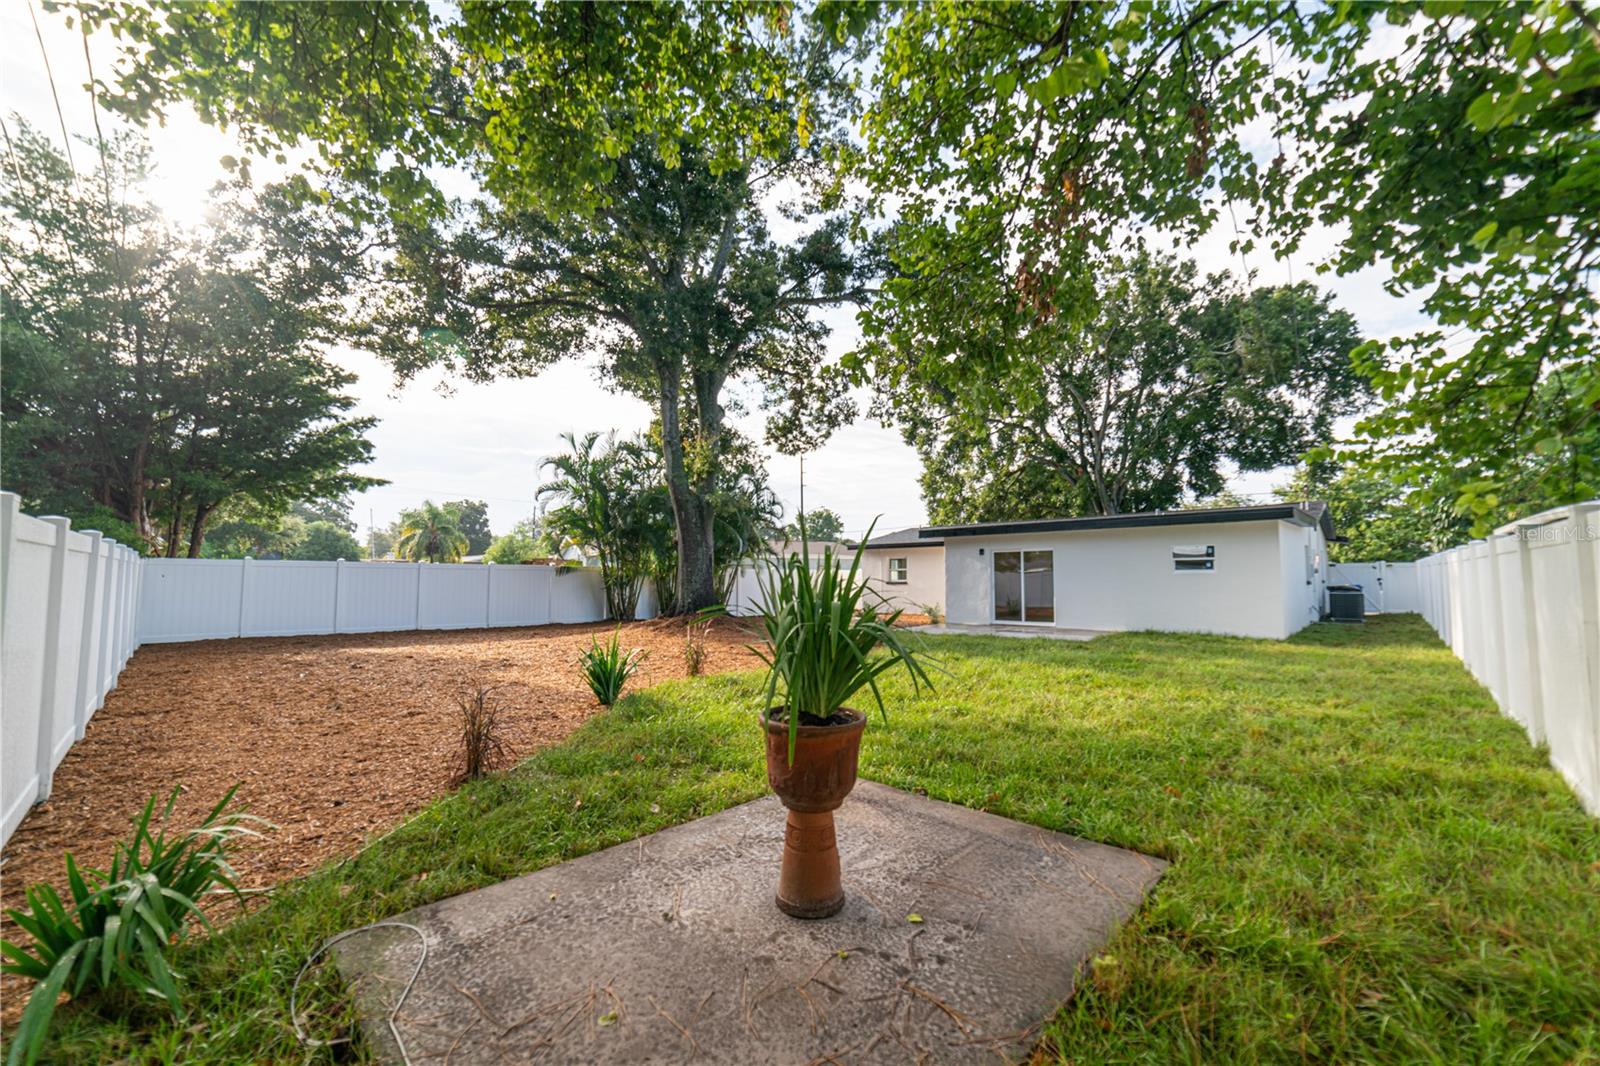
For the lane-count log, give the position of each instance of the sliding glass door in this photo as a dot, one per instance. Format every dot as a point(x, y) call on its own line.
point(1024, 587)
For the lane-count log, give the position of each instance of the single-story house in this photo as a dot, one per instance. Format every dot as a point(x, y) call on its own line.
point(906, 569)
point(1247, 571)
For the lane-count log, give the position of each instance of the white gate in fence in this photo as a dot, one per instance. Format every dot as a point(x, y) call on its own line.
point(1386, 587)
point(67, 614)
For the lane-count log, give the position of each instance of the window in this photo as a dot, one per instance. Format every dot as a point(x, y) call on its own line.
point(897, 571)
point(1194, 557)
point(1024, 587)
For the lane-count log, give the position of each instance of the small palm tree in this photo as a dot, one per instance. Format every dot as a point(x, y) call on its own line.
point(604, 491)
point(430, 532)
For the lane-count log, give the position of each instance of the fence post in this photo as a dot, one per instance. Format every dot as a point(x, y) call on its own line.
point(1494, 632)
point(9, 503)
point(1589, 623)
point(121, 638)
point(416, 615)
point(108, 610)
point(137, 563)
point(89, 649)
point(488, 592)
point(1530, 631)
point(244, 585)
point(128, 613)
point(338, 588)
point(51, 659)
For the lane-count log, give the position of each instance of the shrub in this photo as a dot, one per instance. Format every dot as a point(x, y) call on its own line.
point(694, 646)
point(820, 635)
point(607, 669)
point(121, 921)
point(934, 611)
point(482, 747)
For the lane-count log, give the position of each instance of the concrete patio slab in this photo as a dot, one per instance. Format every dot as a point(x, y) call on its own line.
point(1037, 632)
point(963, 933)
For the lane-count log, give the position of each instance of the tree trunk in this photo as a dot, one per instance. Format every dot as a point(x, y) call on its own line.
point(691, 514)
point(197, 530)
point(173, 528)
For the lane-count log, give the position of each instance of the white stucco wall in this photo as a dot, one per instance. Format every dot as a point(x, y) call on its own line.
point(1304, 588)
point(1123, 579)
point(924, 576)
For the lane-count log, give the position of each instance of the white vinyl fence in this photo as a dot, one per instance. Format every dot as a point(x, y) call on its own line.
point(66, 630)
point(208, 599)
point(1522, 610)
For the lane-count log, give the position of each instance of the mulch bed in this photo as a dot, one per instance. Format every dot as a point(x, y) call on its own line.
point(333, 739)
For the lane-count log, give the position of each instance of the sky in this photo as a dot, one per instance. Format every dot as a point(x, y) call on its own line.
point(452, 439)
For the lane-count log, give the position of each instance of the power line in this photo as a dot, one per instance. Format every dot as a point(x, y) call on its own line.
point(60, 117)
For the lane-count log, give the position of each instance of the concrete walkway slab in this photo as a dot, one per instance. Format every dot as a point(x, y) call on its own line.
point(963, 933)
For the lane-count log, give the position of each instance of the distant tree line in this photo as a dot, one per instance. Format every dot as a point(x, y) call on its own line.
point(161, 381)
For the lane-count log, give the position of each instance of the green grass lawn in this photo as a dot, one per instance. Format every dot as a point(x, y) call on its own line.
point(1370, 864)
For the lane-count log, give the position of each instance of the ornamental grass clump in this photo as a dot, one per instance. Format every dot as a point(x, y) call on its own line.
point(822, 625)
point(694, 646)
point(607, 668)
point(483, 748)
point(120, 923)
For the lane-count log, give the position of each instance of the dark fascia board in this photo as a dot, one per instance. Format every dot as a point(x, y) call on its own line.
point(897, 545)
point(1272, 512)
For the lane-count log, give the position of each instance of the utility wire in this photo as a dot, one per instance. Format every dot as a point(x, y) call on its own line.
point(60, 117)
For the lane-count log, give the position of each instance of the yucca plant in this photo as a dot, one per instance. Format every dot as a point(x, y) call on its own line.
point(121, 921)
point(607, 668)
point(822, 625)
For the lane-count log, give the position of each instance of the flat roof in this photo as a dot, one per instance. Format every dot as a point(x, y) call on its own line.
point(1310, 514)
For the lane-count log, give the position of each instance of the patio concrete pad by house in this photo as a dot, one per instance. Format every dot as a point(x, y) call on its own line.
point(669, 949)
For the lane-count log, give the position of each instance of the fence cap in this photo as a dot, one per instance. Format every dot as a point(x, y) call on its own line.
point(1545, 518)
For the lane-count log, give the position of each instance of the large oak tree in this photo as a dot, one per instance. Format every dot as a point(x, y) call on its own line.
point(627, 154)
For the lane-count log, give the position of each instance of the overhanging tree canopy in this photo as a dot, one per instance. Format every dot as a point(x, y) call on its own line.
point(1020, 144)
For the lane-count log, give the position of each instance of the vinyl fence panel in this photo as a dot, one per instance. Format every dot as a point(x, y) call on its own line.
point(377, 597)
point(520, 595)
point(190, 599)
point(287, 599)
point(453, 596)
point(65, 601)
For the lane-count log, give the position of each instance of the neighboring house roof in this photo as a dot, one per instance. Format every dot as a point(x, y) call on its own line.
point(1314, 512)
point(903, 538)
point(788, 545)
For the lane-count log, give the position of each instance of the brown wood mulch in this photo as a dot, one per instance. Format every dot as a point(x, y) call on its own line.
point(333, 739)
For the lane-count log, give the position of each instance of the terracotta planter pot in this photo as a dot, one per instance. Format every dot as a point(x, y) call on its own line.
point(812, 787)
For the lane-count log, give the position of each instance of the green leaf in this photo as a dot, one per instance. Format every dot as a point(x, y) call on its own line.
point(28, 1040)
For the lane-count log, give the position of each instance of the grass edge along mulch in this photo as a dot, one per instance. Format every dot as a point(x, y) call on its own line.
point(1371, 864)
